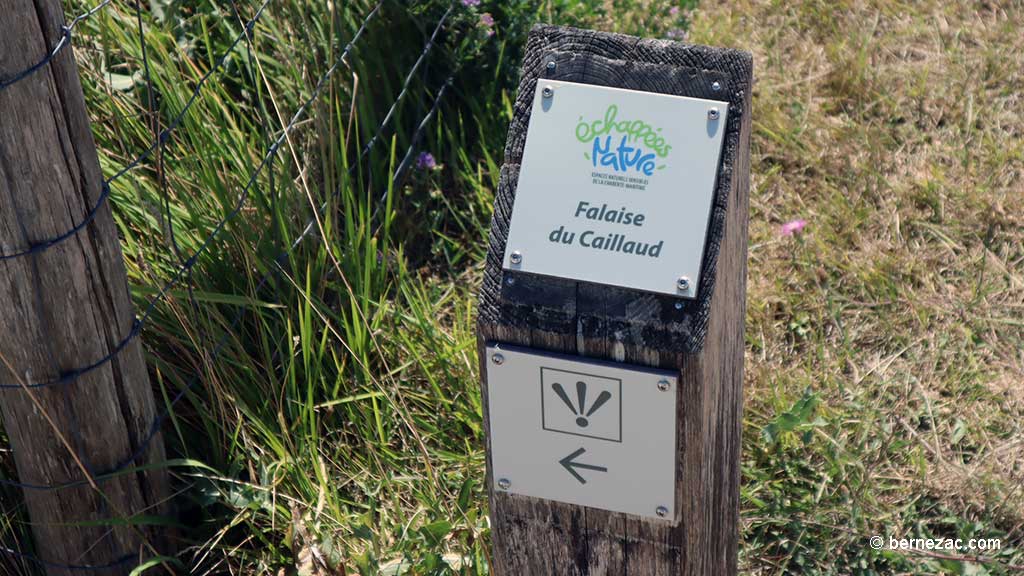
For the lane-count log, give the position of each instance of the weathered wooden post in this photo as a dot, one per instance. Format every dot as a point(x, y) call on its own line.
point(64, 307)
point(612, 310)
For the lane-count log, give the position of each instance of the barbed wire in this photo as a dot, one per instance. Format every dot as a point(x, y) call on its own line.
point(158, 142)
point(65, 41)
point(402, 168)
point(188, 264)
point(308, 229)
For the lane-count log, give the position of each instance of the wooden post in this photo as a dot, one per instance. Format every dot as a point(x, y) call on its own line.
point(64, 308)
point(699, 340)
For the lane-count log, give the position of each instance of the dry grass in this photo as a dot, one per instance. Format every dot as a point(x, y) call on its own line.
point(885, 342)
point(895, 129)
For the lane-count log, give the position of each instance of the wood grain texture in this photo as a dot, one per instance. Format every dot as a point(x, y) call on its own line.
point(659, 66)
point(65, 308)
point(703, 341)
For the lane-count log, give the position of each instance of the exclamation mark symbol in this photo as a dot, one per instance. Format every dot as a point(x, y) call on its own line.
point(581, 394)
point(582, 414)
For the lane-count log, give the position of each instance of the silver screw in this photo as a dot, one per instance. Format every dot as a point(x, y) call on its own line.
point(551, 66)
point(716, 85)
point(516, 257)
point(498, 359)
point(661, 511)
point(664, 385)
point(548, 92)
point(510, 281)
point(504, 483)
point(683, 283)
point(679, 305)
point(713, 114)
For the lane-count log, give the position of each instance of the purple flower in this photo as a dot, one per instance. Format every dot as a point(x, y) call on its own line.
point(674, 11)
point(471, 3)
point(487, 21)
point(792, 227)
point(425, 161)
point(676, 34)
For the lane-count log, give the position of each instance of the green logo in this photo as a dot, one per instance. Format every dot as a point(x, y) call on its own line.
point(640, 145)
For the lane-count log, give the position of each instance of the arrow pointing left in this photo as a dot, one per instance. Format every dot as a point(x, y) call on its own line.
point(569, 464)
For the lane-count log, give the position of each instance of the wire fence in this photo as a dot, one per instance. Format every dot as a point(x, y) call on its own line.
point(186, 265)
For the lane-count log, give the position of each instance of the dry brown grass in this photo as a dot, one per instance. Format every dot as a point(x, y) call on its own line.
point(897, 131)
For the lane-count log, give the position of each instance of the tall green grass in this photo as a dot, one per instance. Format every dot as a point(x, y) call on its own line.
point(334, 424)
point(338, 428)
point(320, 443)
point(337, 425)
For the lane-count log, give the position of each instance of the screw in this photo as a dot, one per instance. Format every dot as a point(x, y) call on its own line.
point(713, 114)
point(510, 281)
point(548, 92)
point(498, 359)
point(516, 257)
point(716, 85)
point(664, 385)
point(551, 66)
point(504, 483)
point(661, 511)
point(679, 305)
point(683, 283)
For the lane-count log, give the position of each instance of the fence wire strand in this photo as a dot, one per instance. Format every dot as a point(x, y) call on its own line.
point(158, 141)
point(64, 42)
point(161, 136)
point(191, 261)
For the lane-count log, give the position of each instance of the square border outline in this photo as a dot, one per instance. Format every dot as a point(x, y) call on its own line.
point(543, 423)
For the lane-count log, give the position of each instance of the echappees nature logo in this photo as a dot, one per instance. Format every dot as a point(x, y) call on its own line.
point(623, 145)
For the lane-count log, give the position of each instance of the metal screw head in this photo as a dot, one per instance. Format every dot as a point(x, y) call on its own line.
point(498, 359)
point(664, 385)
point(548, 92)
point(516, 257)
point(661, 511)
point(713, 114)
point(716, 85)
point(679, 305)
point(510, 281)
point(504, 483)
point(551, 66)
point(683, 283)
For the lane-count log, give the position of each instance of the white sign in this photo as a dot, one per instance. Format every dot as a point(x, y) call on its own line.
point(616, 187)
point(583, 432)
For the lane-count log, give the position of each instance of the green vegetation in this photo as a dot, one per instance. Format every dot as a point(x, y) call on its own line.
point(338, 427)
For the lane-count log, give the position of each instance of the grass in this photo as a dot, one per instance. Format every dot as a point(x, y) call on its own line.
point(891, 128)
point(338, 430)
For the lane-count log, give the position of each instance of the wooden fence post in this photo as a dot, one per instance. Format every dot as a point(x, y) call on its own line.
point(606, 324)
point(63, 308)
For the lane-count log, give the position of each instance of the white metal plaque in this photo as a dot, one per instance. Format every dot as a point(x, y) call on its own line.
point(583, 432)
point(616, 187)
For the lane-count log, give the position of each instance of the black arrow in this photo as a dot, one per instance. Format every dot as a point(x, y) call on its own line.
point(569, 465)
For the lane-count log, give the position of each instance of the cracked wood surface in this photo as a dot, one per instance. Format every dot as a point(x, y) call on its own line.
point(64, 308)
point(703, 340)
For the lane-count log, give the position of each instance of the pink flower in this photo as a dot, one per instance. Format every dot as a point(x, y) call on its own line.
point(487, 21)
point(471, 3)
point(792, 227)
point(674, 10)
